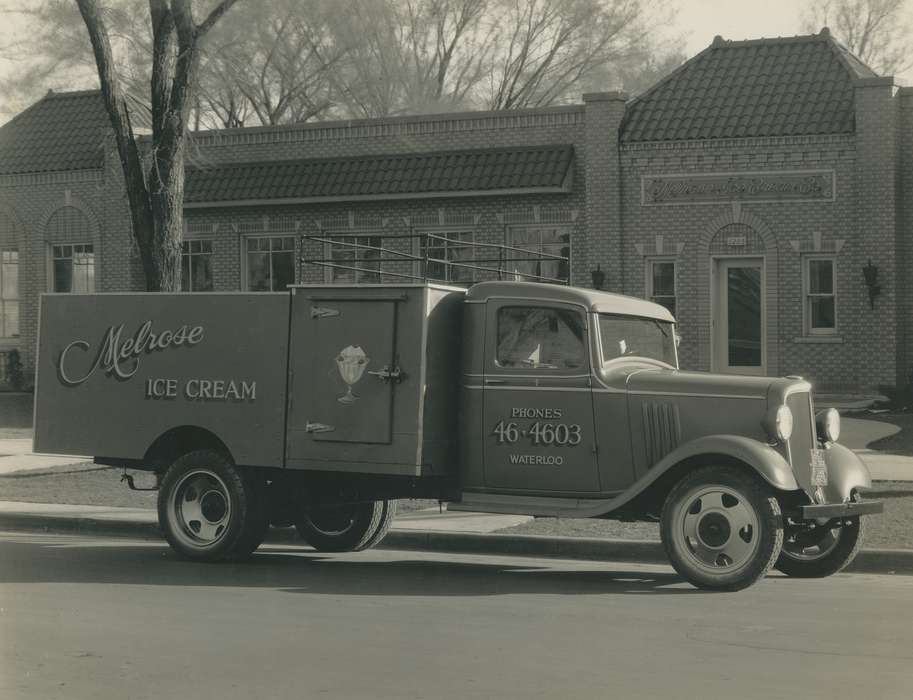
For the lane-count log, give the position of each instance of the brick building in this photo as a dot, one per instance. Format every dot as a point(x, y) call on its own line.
point(748, 190)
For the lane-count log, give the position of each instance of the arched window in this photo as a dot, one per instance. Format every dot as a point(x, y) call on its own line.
point(72, 252)
point(9, 279)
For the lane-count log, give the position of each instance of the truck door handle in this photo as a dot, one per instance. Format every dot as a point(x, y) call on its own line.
point(388, 375)
point(495, 381)
point(318, 428)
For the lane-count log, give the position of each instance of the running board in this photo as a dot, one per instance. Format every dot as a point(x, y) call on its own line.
point(530, 505)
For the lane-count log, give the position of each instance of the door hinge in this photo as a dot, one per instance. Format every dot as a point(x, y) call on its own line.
point(318, 428)
point(323, 312)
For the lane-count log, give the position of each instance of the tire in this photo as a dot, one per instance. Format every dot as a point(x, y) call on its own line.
point(351, 527)
point(721, 528)
point(383, 527)
point(822, 552)
point(209, 510)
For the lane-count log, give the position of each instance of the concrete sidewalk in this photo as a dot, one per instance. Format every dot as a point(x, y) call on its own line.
point(463, 533)
point(144, 520)
point(16, 456)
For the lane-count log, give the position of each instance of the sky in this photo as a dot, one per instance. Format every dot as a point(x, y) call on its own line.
point(701, 20)
point(698, 20)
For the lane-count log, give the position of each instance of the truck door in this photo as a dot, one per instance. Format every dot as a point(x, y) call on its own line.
point(538, 411)
point(340, 349)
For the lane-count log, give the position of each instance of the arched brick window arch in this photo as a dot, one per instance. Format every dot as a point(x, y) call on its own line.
point(70, 237)
point(9, 276)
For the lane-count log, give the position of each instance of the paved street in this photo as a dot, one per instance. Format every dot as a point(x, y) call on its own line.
point(82, 617)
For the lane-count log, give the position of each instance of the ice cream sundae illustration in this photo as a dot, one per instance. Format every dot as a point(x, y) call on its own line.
point(352, 363)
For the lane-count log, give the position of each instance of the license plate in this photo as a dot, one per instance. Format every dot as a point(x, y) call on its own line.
point(819, 468)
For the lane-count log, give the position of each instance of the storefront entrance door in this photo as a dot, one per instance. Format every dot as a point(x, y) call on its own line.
point(739, 316)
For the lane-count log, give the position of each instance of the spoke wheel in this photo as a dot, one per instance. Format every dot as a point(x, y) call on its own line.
point(721, 528)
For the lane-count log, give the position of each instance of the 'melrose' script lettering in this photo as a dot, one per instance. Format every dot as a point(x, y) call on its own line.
point(121, 357)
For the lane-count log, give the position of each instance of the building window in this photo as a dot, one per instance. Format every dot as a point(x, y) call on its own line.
point(661, 283)
point(446, 253)
point(270, 263)
point(196, 266)
point(9, 293)
point(549, 255)
point(539, 338)
point(820, 296)
point(73, 268)
point(358, 258)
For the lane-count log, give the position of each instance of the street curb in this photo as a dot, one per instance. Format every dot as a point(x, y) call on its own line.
point(868, 561)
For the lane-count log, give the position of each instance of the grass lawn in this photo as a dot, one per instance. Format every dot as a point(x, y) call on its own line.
point(900, 443)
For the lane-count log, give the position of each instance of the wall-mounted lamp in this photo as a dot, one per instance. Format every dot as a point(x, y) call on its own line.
point(870, 272)
point(598, 277)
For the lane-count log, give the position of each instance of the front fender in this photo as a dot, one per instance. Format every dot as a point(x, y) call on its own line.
point(845, 472)
point(765, 460)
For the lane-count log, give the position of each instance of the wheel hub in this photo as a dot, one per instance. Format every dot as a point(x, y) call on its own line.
point(213, 506)
point(200, 508)
point(717, 528)
point(714, 530)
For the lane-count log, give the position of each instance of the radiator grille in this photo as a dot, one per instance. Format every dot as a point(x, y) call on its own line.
point(803, 437)
point(662, 430)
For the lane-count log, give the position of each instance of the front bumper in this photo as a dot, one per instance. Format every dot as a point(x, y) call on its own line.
point(840, 510)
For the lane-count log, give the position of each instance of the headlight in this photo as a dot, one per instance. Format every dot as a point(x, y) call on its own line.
point(784, 423)
point(827, 425)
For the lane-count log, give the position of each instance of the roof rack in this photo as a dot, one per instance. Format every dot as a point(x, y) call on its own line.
point(432, 257)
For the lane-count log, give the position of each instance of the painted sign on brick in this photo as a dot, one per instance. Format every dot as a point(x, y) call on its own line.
point(796, 186)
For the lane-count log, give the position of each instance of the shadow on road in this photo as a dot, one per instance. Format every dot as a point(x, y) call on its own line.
point(40, 559)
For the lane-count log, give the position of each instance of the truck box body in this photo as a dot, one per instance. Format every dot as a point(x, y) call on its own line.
point(353, 379)
point(112, 376)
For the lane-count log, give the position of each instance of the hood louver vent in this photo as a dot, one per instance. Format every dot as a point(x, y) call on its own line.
point(662, 430)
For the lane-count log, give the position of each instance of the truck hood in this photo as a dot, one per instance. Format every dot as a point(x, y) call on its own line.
point(670, 381)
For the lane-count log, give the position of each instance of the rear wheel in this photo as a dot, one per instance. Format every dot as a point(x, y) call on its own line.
point(721, 528)
point(816, 552)
point(209, 510)
point(349, 527)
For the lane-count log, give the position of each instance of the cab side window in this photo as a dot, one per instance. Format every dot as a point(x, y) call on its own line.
point(539, 338)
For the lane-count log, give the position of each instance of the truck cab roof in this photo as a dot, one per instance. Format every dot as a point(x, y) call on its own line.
point(591, 299)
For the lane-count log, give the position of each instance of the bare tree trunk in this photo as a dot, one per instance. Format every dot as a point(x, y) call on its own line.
point(156, 199)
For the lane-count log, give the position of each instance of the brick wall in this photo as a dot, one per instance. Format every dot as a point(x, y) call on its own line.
point(869, 217)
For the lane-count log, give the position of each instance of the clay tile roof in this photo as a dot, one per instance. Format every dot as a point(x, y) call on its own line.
point(515, 170)
point(765, 87)
point(62, 131)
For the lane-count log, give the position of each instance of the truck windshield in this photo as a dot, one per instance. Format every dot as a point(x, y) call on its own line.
point(635, 336)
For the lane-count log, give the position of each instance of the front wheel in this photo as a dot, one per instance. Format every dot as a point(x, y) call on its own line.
point(721, 528)
point(350, 527)
point(816, 552)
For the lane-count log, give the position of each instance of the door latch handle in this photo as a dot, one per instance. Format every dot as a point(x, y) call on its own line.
point(388, 375)
point(318, 428)
point(495, 381)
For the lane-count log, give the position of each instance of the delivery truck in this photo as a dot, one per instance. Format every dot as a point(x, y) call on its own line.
point(321, 406)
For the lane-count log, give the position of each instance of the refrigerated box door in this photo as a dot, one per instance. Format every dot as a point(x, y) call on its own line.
point(342, 358)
